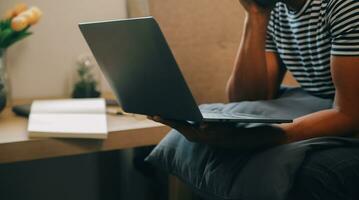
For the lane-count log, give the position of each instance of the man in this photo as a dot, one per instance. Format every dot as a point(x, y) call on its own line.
point(316, 40)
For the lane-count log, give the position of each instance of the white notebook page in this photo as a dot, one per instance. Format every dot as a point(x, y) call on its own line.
point(80, 118)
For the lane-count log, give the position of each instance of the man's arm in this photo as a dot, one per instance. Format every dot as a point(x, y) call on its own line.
point(257, 73)
point(343, 119)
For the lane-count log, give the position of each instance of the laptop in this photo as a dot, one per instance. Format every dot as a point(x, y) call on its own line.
point(138, 64)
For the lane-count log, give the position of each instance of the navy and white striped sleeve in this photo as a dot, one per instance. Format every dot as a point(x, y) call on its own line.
point(270, 44)
point(343, 19)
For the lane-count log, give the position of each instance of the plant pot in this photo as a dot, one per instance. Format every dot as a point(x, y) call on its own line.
point(85, 82)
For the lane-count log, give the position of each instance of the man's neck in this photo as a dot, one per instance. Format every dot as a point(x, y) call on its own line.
point(295, 5)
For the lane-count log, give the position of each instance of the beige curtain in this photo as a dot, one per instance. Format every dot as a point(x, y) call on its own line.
point(137, 8)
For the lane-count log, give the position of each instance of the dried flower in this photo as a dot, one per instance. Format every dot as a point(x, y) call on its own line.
point(37, 13)
point(29, 16)
point(9, 14)
point(19, 8)
point(16, 22)
point(19, 23)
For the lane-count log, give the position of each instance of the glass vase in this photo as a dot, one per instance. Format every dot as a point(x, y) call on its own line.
point(4, 83)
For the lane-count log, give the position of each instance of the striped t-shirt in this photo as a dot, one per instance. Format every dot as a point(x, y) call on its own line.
point(306, 39)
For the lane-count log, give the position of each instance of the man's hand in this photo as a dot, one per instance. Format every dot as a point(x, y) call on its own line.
point(227, 135)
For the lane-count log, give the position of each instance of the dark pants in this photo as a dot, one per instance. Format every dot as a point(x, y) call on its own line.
point(331, 174)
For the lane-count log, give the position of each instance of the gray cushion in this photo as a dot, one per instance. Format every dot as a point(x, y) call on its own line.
point(232, 174)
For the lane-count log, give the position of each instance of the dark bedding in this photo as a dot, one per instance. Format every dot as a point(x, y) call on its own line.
point(232, 174)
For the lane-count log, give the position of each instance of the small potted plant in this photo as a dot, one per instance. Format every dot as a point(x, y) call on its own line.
point(14, 26)
point(86, 85)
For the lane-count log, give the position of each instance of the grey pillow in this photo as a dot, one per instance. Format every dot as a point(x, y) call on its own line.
point(230, 174)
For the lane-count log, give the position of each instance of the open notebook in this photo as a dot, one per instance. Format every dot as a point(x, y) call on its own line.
point(80, 118)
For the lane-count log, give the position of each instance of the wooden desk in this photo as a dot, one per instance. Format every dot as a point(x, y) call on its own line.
point(124, 132)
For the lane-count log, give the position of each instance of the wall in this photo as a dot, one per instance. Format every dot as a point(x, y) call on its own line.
point(204, 36)
point(41, 65)
point(137, 8)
